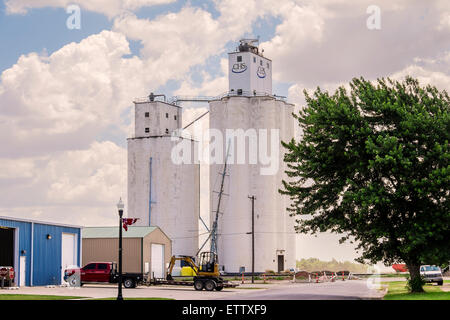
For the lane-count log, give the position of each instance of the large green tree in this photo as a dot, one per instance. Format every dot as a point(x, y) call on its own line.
point(373, 165)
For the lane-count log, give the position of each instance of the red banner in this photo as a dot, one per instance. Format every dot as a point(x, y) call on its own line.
point(128, 222)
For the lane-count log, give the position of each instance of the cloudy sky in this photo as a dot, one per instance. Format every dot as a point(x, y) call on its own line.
point(66, 94)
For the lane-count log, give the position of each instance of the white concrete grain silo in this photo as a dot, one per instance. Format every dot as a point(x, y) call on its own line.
point(248, 109)
point(160, 192)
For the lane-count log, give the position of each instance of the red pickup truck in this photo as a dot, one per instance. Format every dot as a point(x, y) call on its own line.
point(101, 272)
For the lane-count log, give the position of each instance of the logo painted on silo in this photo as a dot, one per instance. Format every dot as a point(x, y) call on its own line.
point(261, 72)
point(239, 67)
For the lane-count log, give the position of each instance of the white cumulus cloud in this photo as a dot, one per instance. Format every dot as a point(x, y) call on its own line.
point(50, 102)
point(76, 181)
point(110, 8)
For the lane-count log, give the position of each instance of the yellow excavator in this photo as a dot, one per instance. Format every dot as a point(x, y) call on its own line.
point(207, 274)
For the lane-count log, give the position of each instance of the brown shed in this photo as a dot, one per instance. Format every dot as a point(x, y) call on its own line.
point(145, 249)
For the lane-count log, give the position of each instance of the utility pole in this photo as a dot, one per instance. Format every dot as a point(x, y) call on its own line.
point(252, 198)
point(120, 207)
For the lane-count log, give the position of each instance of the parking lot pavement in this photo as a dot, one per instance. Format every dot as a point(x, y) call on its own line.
point(110, 291)
point(340, 290)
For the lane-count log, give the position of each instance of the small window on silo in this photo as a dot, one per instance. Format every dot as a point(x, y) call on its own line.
point(147, 114)
point(175, 117)
point(167, 115)
point(239, 58)
point(167, 131)
point(147, 130)
point(254, 59)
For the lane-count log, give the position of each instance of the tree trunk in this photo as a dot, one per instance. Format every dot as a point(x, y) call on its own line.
point(415, 281)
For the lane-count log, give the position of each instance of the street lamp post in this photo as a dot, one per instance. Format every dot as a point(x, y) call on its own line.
point(120, 207)
point(253, 198)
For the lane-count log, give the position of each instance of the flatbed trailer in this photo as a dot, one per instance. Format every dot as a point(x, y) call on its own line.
point(156, 282)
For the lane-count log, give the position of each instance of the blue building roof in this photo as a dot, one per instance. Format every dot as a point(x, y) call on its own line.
point(40, 222)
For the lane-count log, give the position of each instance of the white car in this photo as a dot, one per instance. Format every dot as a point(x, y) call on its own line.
point(432, 274)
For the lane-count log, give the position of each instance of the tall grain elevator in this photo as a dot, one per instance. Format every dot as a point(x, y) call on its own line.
point(161, 192)
point(251, 115)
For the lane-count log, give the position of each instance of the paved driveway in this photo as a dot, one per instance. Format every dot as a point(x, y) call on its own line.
point(342, 290)
point(339, 290)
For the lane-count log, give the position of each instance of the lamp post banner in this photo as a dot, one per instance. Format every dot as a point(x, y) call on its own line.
point(128, 222)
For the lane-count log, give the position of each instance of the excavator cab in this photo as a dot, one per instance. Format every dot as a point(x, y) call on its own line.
point(208, 262)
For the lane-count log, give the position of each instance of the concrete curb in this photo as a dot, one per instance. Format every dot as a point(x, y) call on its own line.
point(380, 295)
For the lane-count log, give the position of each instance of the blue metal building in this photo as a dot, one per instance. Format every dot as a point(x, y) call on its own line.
point(38, 251)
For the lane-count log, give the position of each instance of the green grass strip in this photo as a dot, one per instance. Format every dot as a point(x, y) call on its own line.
point(150, 298)
point(35, 297)
point(397, 290)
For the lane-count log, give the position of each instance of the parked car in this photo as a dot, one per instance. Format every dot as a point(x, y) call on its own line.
point(432, 274)
point(400, 267)
point(101, 272)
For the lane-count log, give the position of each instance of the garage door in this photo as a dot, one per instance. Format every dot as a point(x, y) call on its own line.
point(157, 260)
point(68, 252)
point(7, 247)
point(23, 270)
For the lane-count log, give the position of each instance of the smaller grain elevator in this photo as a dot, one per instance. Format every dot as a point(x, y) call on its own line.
point(161, 192)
